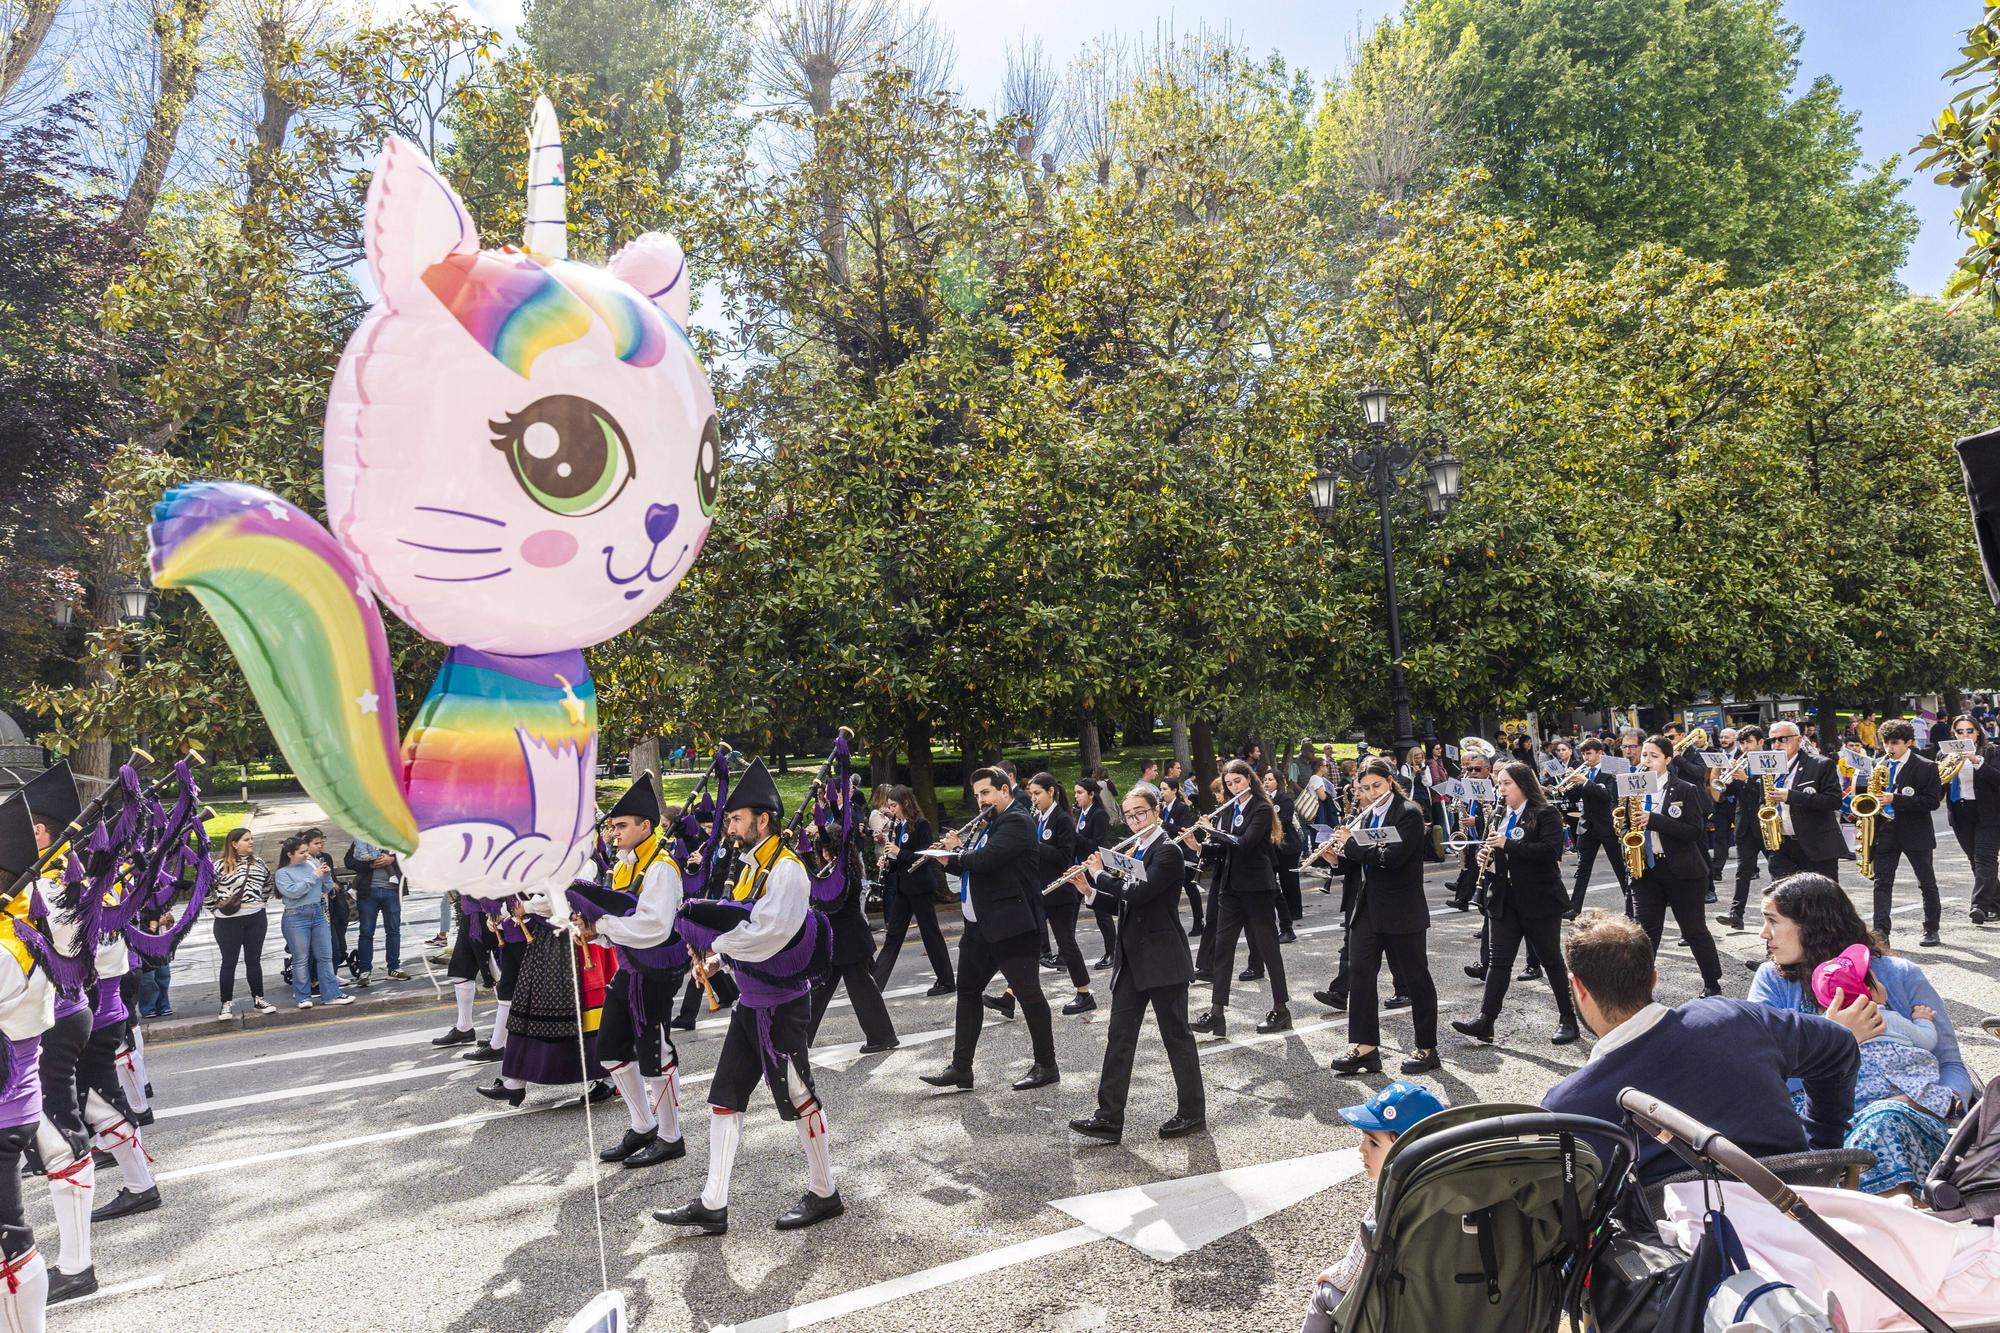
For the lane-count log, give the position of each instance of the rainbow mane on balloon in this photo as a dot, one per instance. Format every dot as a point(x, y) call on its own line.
point(522, 460)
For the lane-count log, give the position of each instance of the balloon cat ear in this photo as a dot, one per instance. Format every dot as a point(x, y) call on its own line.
point(414, 220)
point(655, 265)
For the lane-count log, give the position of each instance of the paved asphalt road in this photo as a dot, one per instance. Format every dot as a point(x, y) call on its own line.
point(343, 1175)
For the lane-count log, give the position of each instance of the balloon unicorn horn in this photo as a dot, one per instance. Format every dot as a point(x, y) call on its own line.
point(522, 460)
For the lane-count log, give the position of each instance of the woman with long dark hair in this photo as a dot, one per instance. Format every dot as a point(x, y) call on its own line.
point(1055, 853)
point(1246, 887)
point(909, 889)
point(1525, 897)
point(242, 886)
point(1676, 874)
point(1291, 903)
point(1808, 920)
point(1091, 832)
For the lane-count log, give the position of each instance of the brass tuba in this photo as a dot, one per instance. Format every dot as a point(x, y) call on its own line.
point(1866, 807)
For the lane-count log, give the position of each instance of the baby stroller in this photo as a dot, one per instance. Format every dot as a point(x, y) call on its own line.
point(1486, 1217)
point(1708, 1153)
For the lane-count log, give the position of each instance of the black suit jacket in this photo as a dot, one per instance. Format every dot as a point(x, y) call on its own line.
point(1815, 801)
point(1748, 793)
point(1150, 941)
point(1689, 768)
point(909, 874)
point(1985, 786)
point(1918, 793)
point(1600, 798)
point(1683, 828)
point(1527, 870)
point(1392, 877)
point(1055, 850)
point(1091, 831)
point(1246, 863)
point(1000, 876)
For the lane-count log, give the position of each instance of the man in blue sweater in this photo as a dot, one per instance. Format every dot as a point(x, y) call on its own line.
point(1725, 1062)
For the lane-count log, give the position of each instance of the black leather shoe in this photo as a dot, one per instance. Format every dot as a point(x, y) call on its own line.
point(1354, 1062)
point(1204, 975)
point(1101, 964)
point(69, 1286)
point(1288, 936)
point(1278, 1020)
point(1396, 1002)
point(1249, 974)
point(1082, 1004)
point(482, 1052)
point(941, 988)
point(951, 1076)
point(1331, 999)
point(1479, 1029)
point(1051, 963)
point(1566, 1033)
point(143, 1118)
point(1460, 904)
point(632, 1141)
point(1038, 1076)
point(455, 1037)
point(1708, 991)
point(1097, 1127)
point(808, 1210)
point(1708, 897)
point(1475, 971)
point(1731, 920)
point(126, 1202)
point(1183, 1124)
point(1529, 974)
point(709, 1221)
point(1211, 1022)
point(877, 1047)
point(1752, 964)
point(659, 1150)
point(683, 1024)
point(498, 1091)
point(1002, 1005)
point(1422, 1062)
point(1194, 931)
point(599, 1091)
point(1978, 917)
point(1931, 940)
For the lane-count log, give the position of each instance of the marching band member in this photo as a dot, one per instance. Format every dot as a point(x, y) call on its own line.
point(1002, 906)
point(1745, 795)
point(1903, 829)
point(1974, 797)
point(1245, 889)
point(1176, 817)
point(1055, 854)
point(1391, 919)
point(1093, 830)
point(1473, 764)
point(909, 890)
point(1525, 899)
point(1676, 875)
point(1291, 898)
point(1808, 796)
point(1597, 795)
point(1150, 968)
point(853, 963)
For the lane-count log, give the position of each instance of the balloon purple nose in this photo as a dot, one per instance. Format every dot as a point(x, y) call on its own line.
point(660, 520)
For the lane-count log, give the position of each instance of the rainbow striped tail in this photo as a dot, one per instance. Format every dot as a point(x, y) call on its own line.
point(304, 627)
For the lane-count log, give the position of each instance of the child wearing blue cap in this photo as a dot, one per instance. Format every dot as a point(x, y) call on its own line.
point(1380, 1119)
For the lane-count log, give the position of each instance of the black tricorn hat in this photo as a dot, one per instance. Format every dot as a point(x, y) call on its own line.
point(756, 791)
point(1979, 457)
point(52, 797)
point(17, 837)
point(640, 801)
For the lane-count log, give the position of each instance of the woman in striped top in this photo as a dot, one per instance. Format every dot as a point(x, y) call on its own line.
point(242, 884)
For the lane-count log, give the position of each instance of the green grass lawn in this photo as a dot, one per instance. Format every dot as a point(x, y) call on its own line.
point(228, 815)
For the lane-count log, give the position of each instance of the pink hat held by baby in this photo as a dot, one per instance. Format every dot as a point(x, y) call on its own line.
point(1842, 978)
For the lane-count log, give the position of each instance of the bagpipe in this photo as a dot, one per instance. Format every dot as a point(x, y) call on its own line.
point(824, 804)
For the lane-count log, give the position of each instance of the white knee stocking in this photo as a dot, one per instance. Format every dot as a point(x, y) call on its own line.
point(725, 1131)
point(498, 1041)
point(462, 992)
point(625, 1077)
point(24, 1293)
point(131, 1066)
point(663, 1095)
point(71, 1179)
point(812, 1135)
point(119, 1137)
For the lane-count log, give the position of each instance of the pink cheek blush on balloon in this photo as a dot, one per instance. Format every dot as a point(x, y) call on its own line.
point(549, 548)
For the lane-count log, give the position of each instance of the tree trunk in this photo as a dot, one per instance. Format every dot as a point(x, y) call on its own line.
point(1180, 733)
point(917, 744)
point(1205, 768)
point(1139, 731)
point(177, 30)
point(37, 17)
point(882, 759)
point(1089, 751)
point(1954, 703)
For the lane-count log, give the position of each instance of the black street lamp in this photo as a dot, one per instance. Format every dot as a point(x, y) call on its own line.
point(1382, 465)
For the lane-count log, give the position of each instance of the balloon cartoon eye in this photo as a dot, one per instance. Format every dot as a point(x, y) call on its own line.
point(567, 453)
point(708, 466)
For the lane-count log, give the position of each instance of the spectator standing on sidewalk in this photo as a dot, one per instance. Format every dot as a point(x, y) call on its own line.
point(378, 897)
point(302, 883)
point(242, 884)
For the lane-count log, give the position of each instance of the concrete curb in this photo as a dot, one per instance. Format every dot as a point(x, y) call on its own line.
point(165, 1032)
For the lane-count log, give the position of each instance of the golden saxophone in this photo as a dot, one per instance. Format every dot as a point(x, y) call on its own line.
point(1625, 818)
point(1770, 824)
point(1866, 807)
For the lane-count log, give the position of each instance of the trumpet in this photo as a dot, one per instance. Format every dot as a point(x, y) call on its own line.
point(1127, 845)
point(1573, 778)
point(1866, 807)
point(1696, 739)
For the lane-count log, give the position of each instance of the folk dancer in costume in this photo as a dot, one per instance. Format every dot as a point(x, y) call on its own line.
point(550, 1039)
point(778, 944)
point(636, 918)
point(838, 889)
point(1150, 967)
point(27, 1011)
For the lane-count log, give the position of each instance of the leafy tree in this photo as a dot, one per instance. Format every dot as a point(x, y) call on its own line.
point(1965, 146)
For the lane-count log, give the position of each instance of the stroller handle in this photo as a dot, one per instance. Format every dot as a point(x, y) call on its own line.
point(1658, 1120)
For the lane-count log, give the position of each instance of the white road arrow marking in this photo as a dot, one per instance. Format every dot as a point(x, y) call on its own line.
point(1163, 1221)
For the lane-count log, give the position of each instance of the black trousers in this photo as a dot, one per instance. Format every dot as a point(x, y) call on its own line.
point(1107, 926)
point(622, 1038)
point(1655, 893)
point(1410, 966)
point(1291, 893)
point(1468, 877)
point(244, 936)
point(1543, 935)
point(1204, 954)
point(1014, 958)
point(1789, 860)
point(903, 907)
point(1343, 978)
point(873, 1015)
point(1121, 1043)
point(1747, 856)
point(62, 1048)
point(1486, 947)
point(1193, 888)
point(1588, 844)
point(1061, 908)
point(694, 1001)
point(97, 1068)
point(1920, 859)
point(742, 1064)
point(1986, 870)
point(1255, 915)
point(15, 1237)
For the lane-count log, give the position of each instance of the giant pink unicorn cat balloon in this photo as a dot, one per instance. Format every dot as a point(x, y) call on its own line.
point(521, 460)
